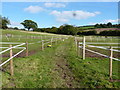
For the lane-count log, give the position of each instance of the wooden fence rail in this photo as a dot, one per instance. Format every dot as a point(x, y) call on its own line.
point(10, 48)
point(111, 58)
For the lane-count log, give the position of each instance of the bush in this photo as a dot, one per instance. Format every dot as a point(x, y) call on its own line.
point(39, 30)
point(68, 30)
point(88, 33)
point(16, 28)
point(110, 33)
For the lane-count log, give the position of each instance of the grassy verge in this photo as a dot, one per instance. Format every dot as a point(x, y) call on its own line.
point(93, 72)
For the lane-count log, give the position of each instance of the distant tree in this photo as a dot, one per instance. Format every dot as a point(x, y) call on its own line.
point(60, 30)
point(16, 28)
point(54, 30)
point(93, 32)
point(109, 24)
point(118, 26)
point(97, 25)
point(101, 25)
point(104, 26)
point(68, 29)
point(47, 30)
point(110, 33)
point(29, 24)
point(4, 22)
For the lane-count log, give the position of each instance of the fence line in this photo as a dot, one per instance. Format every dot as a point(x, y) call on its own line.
point(102, 48)
point(23, 48)
point(100, 54)
point(12, 47)
point(98, 43)
point(12, 57)
point(10, 43)
point(86, 44)
point(15, 48)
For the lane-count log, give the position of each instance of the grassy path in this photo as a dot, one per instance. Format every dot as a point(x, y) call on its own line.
point(60, 67)
point(44, 69)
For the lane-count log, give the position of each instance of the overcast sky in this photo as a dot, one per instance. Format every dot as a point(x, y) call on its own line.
point(48, 14)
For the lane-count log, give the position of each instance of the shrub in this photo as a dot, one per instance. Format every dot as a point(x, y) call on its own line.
point(88, 33)
point(110, 33)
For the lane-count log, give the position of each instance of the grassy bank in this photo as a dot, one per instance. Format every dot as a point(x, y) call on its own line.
point(59, 67)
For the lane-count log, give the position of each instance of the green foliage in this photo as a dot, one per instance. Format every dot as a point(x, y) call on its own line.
point(68, 29)
point(16, 28)
point(29, 24)
point(110, 33)
point(108, 25)
point(4, 22)
point(86, 27)
point(48, 30)
point(63, 29)
point(54, 30)
point(93, 32)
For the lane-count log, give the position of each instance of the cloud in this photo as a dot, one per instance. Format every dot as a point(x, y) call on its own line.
point(58, 5)
point(65, 16)
point(112, 21)
point(15, 24)
point(34, 9)
point(106, 21)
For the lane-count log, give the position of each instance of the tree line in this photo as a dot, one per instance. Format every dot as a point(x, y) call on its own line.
point(108, 25)
point(63, 29)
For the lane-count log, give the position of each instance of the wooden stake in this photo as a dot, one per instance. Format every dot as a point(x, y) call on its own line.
point(83, 55)
point(42, 45)
point(26, 49)
point(77, 47)
point(56, 40)
point(11, 62)
point(76, 44)
point(41, 37)
point(51, 40)
point(110, 62)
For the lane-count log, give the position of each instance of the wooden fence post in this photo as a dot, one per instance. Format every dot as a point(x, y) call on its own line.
point(56, 40)
point(76, 44)
point(11, 62)
point(110, 62)
point(83, 53)
point(42, 45)
point(41, 37)
point(26, 49)
point(77, 47)
point(51, 40)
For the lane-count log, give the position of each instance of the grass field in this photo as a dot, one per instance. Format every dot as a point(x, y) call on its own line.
point(86, 28)
point(58, 66)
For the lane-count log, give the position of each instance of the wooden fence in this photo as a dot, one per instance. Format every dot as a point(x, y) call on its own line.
point(10, 48)
point(11, 53)
point(84, 46)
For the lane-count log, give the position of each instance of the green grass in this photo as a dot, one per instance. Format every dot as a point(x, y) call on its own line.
point(93, 72)
point(85, 28)
point(36, 71)
point(41, 69)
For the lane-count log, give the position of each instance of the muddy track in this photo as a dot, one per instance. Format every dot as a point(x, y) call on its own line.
point(63, 68)
point(23, 53)
point(65, 73)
